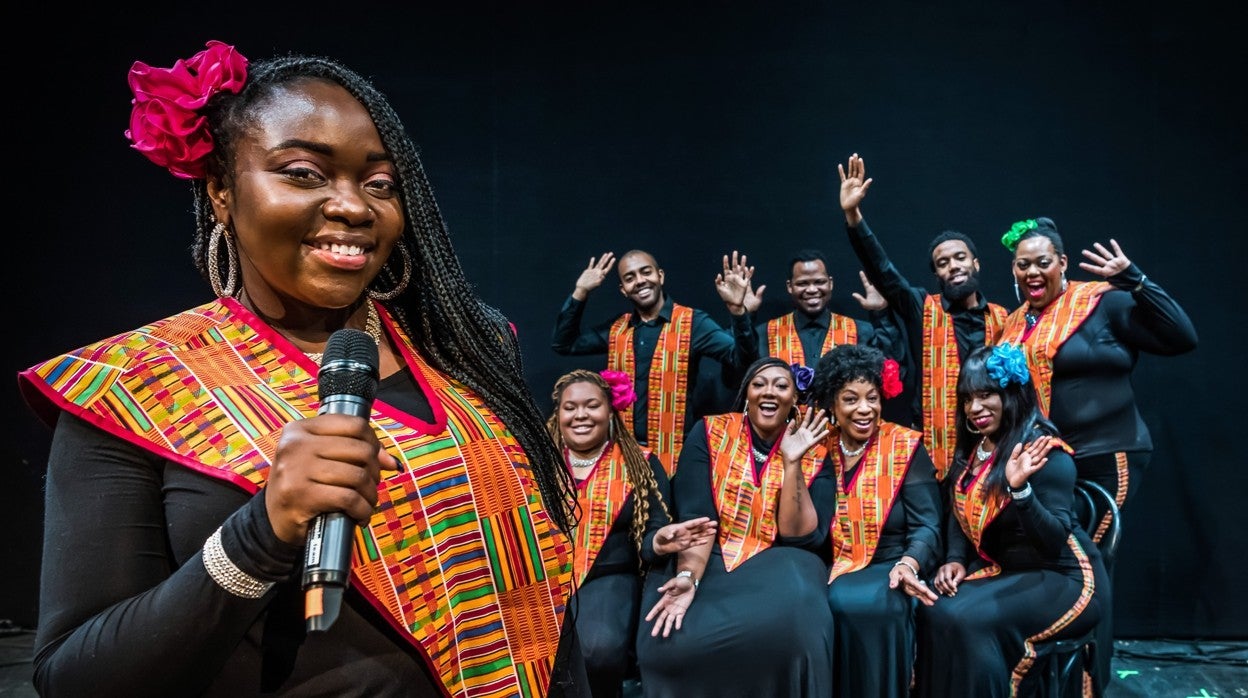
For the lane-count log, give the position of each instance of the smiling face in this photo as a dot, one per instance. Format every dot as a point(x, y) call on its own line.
point(770, 396)
point(956, 268)
point(810, 287)
point(641, 280)
point(857, 411)
point(1039, 270)
point(312, 202)
point(983, 411)
point(584, 415)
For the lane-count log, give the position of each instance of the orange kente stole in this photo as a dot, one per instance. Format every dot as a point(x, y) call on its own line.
point(1058, 321)
point(863, 507)
point(460, 556)
point(975, 508)
point(668, 386)
point(747, 507)
point(602, 495)
point(784, 343)
point(940, 377)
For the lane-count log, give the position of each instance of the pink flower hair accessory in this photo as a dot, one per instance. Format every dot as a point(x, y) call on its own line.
point(890, 379)
point(622, 394)
point(165, 124)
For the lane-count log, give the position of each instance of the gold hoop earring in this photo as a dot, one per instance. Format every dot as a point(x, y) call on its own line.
point(226, 289)
point(403, 280)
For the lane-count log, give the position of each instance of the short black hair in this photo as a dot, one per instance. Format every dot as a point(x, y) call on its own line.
point(946, 236)
point(843, 365)
point(809, 255)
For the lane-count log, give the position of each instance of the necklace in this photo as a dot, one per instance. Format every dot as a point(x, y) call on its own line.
point(981, 454)
point(854, 453)
point(372, 325)
point(759, 456)
point(587, 462)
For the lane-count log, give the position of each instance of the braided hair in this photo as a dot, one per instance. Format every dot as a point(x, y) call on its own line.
point(636, 466)
point(455, 331)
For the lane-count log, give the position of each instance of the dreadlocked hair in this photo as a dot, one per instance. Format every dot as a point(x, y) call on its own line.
point(455, 331)
point(636, 466)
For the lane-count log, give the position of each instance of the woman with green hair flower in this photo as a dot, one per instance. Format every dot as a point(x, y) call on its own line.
point(1017, 569)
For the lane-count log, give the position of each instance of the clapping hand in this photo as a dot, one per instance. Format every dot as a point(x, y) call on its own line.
point(594, 275)
point(1103, 262)
point(735, 287)
point(676, 537)
point(1025, 461)
point(871, 298)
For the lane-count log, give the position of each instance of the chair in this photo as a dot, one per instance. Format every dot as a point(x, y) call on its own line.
point(1066, 659)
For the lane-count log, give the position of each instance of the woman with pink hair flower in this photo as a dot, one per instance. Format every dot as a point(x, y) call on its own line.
point(190, 459)
point(625, 524)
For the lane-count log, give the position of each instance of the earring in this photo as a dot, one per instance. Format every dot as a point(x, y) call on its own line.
point(403, 280)
point(971, 428)
point(1063, 283)
point(611, 430)
point(227, 289)
point(746, 411)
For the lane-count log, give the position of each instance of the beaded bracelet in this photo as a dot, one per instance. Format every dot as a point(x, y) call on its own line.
point(227, 575)
point(1023, 493)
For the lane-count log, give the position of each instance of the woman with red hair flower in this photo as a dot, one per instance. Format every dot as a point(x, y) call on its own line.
point(190, 459)
point(886, 530)
point(625, 525)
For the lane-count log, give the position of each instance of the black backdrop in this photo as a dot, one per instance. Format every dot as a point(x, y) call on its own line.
point(554, 132)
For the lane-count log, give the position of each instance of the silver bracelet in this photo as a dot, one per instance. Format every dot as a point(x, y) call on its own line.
point(1023, 493)
point(689, 574)
point(903, 563)
point(227, 575)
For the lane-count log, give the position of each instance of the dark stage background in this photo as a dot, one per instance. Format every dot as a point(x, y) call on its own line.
point(555, 132)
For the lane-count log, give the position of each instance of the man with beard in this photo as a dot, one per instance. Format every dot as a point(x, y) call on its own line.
point(660, 342)
point(940, 329)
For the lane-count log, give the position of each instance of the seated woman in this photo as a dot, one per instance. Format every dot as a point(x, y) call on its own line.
point(886, 529)
point(624, 524)
point(1018, 569)
point(745, 614)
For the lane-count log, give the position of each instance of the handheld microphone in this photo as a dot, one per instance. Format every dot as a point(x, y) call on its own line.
point(346, 384)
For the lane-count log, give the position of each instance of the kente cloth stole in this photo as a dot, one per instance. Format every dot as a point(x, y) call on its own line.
point(602, 496)
point(668, 387)
point(1058, 321)
point(940, 377)
point(460, 555)
point(862, 509)
point(975, 508)
point(747, 507)
point(784, 343)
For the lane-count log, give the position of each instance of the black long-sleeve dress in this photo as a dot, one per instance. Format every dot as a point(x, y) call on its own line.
point(1051, 585)
point(874, 624)
point(607, 604)
point(763, 629)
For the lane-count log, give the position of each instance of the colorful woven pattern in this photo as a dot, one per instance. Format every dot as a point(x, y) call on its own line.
point(459, 552)
point(602, 496)
point(784, 343)
point(668, 386)
point(1057, 323)
point(747, 507)
point(940, 377)
point(863, 507)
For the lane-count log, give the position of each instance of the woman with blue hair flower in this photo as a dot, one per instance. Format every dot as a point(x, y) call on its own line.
point(1018, 569)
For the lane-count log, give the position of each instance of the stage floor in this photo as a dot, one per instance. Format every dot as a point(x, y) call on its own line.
point(1143, 668)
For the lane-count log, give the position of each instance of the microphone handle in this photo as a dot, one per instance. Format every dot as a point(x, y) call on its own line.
point(327, 557)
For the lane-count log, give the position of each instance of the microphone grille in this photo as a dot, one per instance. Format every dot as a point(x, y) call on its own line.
point(349, 365)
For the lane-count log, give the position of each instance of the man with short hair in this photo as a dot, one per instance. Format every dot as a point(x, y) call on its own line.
point(941, 328)
point(659, 342)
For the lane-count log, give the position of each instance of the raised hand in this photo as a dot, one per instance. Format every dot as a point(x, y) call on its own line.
point(854, 186)
point(803, 434)
point(1103, 262)
point(1026, 460)
point(676, 537)
point(735, 287)
point(669, 613)
point(948, 577)
point(593, 276)
point(870, 298)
